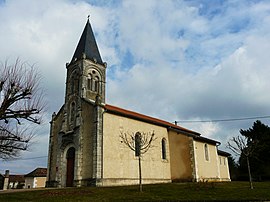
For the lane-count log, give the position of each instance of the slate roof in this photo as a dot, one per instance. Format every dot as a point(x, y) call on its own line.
point(38, 172)
point(87, 45)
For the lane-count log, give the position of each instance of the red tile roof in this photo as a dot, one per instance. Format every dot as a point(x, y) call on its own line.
point(223, 153)
point(16, 178)
point(38, 172)
point(204, 139)
point(130, 114)
point(135, 115)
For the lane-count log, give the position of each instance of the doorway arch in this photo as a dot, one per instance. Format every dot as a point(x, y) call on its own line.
point(70, 156)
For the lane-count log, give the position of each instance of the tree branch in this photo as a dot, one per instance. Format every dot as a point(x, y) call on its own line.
point(21, 99)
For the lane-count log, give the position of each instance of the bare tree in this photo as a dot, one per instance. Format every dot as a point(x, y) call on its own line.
point(21, 100)
point(140, 143)
point(239, 145)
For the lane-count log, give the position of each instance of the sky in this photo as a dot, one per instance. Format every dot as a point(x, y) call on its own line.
point(177, 60)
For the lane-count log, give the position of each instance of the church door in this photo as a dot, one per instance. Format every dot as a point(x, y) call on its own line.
point(70, 166)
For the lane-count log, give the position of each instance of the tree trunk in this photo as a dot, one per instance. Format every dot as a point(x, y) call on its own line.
point(140, 173)
point(249, 174)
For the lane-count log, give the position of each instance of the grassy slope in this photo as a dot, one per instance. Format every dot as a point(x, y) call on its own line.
point(181, 191)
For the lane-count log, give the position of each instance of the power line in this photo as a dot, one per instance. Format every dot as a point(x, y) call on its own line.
point(223, 120)
point(31, 158)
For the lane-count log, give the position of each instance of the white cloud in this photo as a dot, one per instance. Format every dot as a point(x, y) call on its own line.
point(186, 60)
point(217, 75)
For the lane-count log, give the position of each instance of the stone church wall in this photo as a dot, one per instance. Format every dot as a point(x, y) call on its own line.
point(224, 168)
point(181, 157)
point(87, 141)
point(56, 126)
point(120, 165)
point(207, 169)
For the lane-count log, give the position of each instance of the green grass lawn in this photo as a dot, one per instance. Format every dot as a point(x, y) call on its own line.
point(159, 192)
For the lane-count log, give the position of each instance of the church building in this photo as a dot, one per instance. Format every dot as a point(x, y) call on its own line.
point(86, 146)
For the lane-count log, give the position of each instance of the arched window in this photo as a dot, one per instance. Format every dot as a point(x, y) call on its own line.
point(163, 148)
point(206, 152)
point(89, 82)
point(72, 85)
point(75, 83)
point(96, 84)
point(137, 144)
point(93, 81)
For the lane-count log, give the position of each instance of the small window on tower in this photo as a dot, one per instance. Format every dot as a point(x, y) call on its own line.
point(72, 85)
point(89, 82)
point(75, 83)
point(96, 89)
point(93, 81)
point(72, 112)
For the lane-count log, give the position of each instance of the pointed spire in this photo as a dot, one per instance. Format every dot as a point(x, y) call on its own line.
point(87, 45)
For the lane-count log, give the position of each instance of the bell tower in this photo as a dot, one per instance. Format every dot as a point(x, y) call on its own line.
point(77, 129)
point(86, 73)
